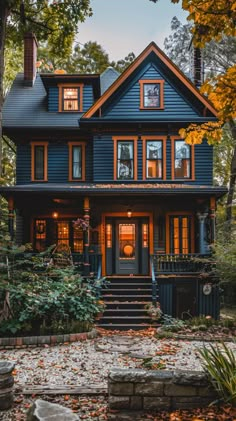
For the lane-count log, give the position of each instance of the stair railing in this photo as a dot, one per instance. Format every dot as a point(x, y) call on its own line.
point(154, 282)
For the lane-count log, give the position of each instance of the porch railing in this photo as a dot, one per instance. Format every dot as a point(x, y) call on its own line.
point(181, 263)
point(154, 281)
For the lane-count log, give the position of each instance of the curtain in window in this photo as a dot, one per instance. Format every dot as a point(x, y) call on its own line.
point(125, 165)
point(76, 159)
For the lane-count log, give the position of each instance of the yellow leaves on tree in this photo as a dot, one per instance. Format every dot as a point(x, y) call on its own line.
point(221, 91)
point(212, 19)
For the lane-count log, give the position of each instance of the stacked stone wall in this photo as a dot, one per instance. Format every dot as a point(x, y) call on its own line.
point(144, 390)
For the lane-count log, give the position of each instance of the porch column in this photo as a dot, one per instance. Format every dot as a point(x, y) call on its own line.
point(11, 217)
point(86, 237)
point(213, 219)
point(201, 228)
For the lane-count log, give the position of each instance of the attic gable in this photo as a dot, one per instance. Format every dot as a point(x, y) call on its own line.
point(151, 53)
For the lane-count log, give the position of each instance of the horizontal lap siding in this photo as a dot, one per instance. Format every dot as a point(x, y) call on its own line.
point(58, 163)
point(127, 105)
point(23, 164)
point(103, 158)
point(58, 159)
point(203, 163)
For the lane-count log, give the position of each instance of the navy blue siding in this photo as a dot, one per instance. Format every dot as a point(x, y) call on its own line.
point(23, 164)
point(58, 163)
point(104, 156)
point(128, 103)
point(53, 98)
point(209, 305)
point(166, 297)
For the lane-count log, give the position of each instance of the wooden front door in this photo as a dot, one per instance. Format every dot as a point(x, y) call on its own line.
point(127, 247)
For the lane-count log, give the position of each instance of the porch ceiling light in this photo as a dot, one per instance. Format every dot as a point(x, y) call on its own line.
point(55, 215)
point(129, 213)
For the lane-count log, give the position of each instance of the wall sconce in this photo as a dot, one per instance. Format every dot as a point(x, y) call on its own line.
point(55, 215)
point(129, 213)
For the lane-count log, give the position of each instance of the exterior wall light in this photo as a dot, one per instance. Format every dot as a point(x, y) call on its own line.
point(55, 215)
point(129, 213)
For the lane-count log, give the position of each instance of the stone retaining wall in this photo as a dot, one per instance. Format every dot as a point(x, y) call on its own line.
point(158, 390)
point(33, 341)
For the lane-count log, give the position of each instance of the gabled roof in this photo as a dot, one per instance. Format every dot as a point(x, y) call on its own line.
point(151, 48)
point(107, 78)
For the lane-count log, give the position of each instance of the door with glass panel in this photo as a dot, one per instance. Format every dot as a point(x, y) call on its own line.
point(127, 247)
point(180, 234)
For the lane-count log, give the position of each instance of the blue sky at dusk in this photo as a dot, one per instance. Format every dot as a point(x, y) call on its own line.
point(123, 26)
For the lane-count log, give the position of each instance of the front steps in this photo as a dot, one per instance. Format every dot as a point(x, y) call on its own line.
point(125, 300)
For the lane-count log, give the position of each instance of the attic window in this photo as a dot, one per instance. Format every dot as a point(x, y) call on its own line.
point(151, 94)
point(71, 98)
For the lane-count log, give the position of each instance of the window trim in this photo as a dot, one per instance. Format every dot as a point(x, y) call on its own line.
point(79, 86)
point(117, 139)
point(192, 160)
point(192, 229)
point(45, 145)
point(151, 81)
point(158, 138)
point(83, 161)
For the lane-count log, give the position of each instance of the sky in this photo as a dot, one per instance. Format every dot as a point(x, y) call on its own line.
point(124, 26)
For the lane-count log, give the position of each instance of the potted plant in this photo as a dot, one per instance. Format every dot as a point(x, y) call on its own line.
point(154, 311)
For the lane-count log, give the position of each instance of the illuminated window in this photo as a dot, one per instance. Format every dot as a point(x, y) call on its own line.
point(63, 233)
point(154, 159)
point(40, 234)
point(182, 160)
point(144, 235)
point(151, 94)
point(71, 98)
point(108, 235)
point(127, 241)
point(180, 234)
point(39, 161)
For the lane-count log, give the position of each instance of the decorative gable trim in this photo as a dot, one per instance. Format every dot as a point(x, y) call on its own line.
point(152, 47)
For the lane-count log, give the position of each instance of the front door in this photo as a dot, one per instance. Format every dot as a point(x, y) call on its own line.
point(127, 247)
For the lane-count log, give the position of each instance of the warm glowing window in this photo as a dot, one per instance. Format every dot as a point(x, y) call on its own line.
point(71, 98)
point(40, 234)
point(127, 241)
point(77, 240)
point(39, 161)
point(180, 234)
point(76, 161)
point(182, 162)
point(154, 159)
point(108, 235)
point(151, 94)
point(63, 233)
point(144, 235)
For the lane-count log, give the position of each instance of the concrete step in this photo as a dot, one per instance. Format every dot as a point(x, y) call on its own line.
point(134, 326)
point(127, 297)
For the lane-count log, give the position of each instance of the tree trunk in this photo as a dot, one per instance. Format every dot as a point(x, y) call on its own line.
point(232, 180)
point(3, 23)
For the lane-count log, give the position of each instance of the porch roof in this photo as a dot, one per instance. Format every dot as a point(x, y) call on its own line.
point(93, 189)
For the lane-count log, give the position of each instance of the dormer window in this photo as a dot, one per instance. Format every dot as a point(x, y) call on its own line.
point(151, 94)
point(71, 98)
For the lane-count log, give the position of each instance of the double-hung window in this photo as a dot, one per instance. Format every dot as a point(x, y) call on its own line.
point(76, 161)
point(125, 158)
point(71, 97)
point(182, 159)
point(154, 157)
point(39, 161)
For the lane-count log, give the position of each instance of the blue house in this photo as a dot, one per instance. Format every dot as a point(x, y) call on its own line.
point(106, 148)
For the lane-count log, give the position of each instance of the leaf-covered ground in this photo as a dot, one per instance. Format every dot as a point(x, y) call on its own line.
point(87, 364)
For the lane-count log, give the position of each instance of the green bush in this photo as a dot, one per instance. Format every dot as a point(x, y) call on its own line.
point(220, 364)
point(46, 299)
